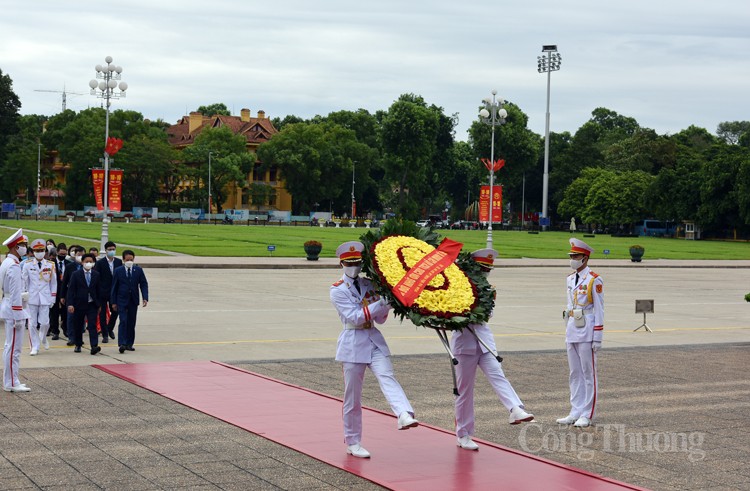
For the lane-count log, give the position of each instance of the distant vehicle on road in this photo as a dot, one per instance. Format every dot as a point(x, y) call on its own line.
point(423, 223)
point(654, 228)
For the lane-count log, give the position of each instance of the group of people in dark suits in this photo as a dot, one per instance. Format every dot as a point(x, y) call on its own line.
point(103, 289)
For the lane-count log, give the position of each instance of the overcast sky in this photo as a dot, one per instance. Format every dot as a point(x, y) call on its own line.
point(666, 63)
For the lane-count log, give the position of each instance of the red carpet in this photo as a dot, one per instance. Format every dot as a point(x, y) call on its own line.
point(424, 458)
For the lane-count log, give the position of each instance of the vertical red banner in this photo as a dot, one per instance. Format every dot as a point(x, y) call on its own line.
point(115, 191)
point(497, 204)
point(97, 175)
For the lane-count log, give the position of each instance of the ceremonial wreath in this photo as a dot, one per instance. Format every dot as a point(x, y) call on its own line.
point(429, 280)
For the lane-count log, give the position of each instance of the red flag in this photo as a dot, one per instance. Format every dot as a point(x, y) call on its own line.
point(97, 175)
point(113, 146)
point(115, 191)
point(416, 279)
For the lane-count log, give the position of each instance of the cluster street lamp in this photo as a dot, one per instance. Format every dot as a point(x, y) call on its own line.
point(494, 115)
point(547, 64)
point(108, 75)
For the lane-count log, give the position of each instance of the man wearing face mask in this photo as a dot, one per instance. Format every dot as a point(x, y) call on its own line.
point(55, 321)
point(106, 267)
point(584, 318)
point(83, 303)
point(12, 312)
point(471, 353)
point(40, 283)
point(128, 279)
point(72, 264)
point(361, 345)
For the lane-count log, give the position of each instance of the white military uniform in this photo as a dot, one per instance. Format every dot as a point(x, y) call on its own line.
point(587, 294)
point(471, 354)
point(360, 345)
point(40, 281)
point(14, 317)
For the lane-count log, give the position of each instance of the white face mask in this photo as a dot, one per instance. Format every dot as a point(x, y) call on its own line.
point(79, 258)
point(352, 271)
point(88, 266)
point(50, 247)
point(575, 264)
point(22, 250)
point(39, 256)
point(128, 264)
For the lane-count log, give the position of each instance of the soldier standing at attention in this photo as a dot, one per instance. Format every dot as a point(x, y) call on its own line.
point(40, 283)
point(361, 345)
point(13, 314)
point(584, 318)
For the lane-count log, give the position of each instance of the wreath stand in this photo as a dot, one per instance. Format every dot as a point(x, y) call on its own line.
point(454, 361)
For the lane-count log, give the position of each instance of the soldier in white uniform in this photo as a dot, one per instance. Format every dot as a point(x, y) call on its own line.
point(361, 345)
point(40, 283)
point(584, 317)
point(12, 312)
point(472, 354)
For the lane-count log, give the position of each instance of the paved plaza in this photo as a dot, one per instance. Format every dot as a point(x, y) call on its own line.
point(674, 406)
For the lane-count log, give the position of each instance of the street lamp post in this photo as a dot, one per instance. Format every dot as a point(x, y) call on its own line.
point(494, 115)
point(108, 75)
point(354, 203)
point(38, 178)
point(209, 185)
point(547, 64)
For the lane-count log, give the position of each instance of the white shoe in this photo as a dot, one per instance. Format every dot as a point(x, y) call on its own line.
point(582, 422)
point(467, 443)
point(34, 352)
point(567, 420)
point(518, 415)
point(45, 342)
point(406, 421)
point(358, 450)
point(17, 388)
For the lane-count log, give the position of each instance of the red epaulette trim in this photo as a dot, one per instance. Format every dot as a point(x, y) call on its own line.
point(338, 283)
point(598, 328)
point(594, 274)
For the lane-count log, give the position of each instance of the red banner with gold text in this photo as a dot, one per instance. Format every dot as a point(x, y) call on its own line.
point(97, 175)
point(497, 204)
point(416, 279)
point(115, 191)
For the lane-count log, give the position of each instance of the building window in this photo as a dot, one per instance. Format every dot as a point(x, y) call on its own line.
point(272, 174)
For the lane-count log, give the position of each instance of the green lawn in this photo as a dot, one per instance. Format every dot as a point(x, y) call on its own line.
point(242, 240)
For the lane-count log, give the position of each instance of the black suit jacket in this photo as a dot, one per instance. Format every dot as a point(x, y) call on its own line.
point(70, 268)
point(79, 291)
point(105, 276)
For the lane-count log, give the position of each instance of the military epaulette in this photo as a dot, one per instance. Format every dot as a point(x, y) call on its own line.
point(338, 283)
point(594, 274)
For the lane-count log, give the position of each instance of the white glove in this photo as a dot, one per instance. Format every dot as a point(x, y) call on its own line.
point(596, 345)
point(24, 296)
point(19, 324)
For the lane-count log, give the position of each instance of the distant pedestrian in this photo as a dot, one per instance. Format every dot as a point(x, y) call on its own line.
point(40, 283)
point(128, 284)
point(83, 303)
point(13, 314)
point(361, 345)
point(106, 267)
point(572, 225)
point(584, 318)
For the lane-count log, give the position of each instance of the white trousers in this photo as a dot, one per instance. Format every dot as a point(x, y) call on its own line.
point(583, 380)
point(39, 315)
point(466, 374)
point(12, 352)
point(354, 375)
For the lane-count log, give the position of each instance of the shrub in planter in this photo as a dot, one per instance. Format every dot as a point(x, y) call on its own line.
point(636, 253)
point(312, 249)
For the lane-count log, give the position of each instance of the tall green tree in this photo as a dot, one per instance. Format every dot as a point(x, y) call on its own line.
point(732, 131)
point(410, 133)
point(230, 162)
point(316, 163)
point(18, 171)
point(9, 107)
point(217, 108)
point(145, 159)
